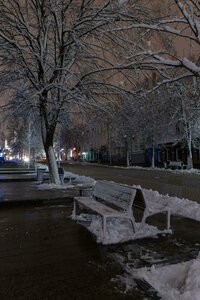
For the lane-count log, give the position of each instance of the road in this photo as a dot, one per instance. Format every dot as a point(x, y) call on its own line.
point(165, 182)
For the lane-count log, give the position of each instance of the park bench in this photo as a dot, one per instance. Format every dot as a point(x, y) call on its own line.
point(111, 200)
point(42, 174)
point(119, 198)
point(176, 165)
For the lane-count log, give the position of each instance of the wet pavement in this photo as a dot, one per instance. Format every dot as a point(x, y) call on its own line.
point(29, 191)
point(46, 255)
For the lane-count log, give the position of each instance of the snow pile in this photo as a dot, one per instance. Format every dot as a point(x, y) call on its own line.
point(175, 282)
point(78, 178)
point(118, 230)
point(182, 207)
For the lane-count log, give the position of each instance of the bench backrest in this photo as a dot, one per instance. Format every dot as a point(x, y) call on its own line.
point(116, 194)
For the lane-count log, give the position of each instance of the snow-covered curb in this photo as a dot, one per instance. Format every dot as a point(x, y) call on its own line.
point(177, 171)
point(180, 207)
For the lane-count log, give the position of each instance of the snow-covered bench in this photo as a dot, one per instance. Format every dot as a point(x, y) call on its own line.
point(111, 200)
point(176, 165)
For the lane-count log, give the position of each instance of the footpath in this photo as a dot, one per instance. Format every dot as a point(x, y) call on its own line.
point(46, 255)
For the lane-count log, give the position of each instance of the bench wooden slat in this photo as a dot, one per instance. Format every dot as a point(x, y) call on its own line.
point(114, 193)
point(98, 207)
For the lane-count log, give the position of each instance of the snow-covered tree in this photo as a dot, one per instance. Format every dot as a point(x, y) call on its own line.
point(60, 54)
point(184, 110)
point(167, 48)
point(169, 40)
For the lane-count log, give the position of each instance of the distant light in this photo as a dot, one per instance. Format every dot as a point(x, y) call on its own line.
point(26, 159)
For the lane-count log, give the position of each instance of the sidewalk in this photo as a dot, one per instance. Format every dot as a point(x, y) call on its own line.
point(28, 191)
point(46, 255)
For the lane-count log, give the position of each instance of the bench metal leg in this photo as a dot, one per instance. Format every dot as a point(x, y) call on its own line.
point(133, 225)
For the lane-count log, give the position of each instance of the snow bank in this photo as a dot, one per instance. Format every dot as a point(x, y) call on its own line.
point(79, 179)
point(176, 171)
point(174, 282)
point(181, 207)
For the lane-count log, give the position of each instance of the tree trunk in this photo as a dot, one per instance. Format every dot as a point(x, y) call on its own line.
point(127, 158)
point(189, 158)
point(189, 163)
point(53, 168)
point(48, 137)
point(189, 154)
point(153, 158)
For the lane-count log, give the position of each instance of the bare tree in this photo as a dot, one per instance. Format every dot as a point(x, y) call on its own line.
point(184, 111)
point(168, 51)
point(169, 40)
point(58, 54)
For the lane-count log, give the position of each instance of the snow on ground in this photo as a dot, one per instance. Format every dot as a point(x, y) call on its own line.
point(74, 181)
point(121, 231)
point(118, 230)
point(176, 171)
point(180, 207)
point(174, 282)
